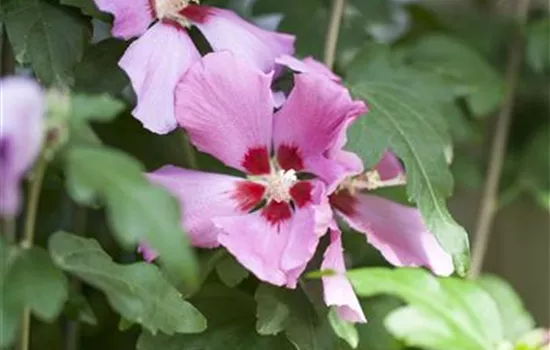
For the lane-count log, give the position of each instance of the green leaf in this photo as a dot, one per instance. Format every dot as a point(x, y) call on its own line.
point(516, 321)
point(230, 315)
point(343, 329)
point(230, 272)
point(304, 327)
point(402, 121)
point(98, 71)
point(78, 308)
point(101, 108)
point(49, 37)
point(538, 44)
point(31, 280)
point(272, 313)
point(138, 211)
point(461, 66)
point(446, 313)
point(87, 7)
point(138, 292)
point(374, 331)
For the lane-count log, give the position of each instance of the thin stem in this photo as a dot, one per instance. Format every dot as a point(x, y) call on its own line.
point(488, 204)
point(28, 238)
point(189, 152)
point(333, 30)
point(72, 331)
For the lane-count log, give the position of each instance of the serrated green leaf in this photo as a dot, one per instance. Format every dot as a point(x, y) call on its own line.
point(230, 315)
point(87, 7)
point(442, 314)
point(461, 66)
point(78, 308)
point(343, 329)
point(101, 108)
point(230, 272)
point(98, 71)
point(303, 327)
point(139, 292)
point(538, 44)
point(31, 280)
point(49, 37)
point(138, 211)
point(271, 313)
point(405, 123)
point(516, 321)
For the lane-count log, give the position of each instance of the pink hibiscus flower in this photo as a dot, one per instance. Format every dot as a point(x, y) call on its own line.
point(160, 57)
point(21, 133)
point(271, 221)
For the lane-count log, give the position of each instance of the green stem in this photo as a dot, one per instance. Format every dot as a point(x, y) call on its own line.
point(489, 206)
point(332, 34)
point(28, 237)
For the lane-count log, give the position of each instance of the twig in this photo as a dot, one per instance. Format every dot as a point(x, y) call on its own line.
point(333, 30)
point(28, 237)
point(498, 149)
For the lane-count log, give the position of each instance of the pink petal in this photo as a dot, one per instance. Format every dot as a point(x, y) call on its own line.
point(155, 63)
point(226, 107)
point(21, 134)
point(389, 166)
point(147, 252)
point(131, 17)
point(397, 231)
point(307, 65)
point(337, 288)
point(278, 253)
point(312, 120)
point(202, 196)
point(224, 30)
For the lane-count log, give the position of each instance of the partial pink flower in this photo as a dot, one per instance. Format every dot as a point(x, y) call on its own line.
point(21, 133)
point(161, 55)
point(337, 289)
point(271, 221)
point(396, 230)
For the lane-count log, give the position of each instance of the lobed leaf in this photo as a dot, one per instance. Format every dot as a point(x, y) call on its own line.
point(138, 292)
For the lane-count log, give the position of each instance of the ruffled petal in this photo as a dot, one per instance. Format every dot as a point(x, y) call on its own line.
point(277, 253)
point(389, 166)
point(307, 65)
point(224, 30)
point(21, 134)
point(337, 289)
point(155, 63)
point(226, 107)
point(131, 17)
point(397, 231)
point(312, 121)
point(204, 196)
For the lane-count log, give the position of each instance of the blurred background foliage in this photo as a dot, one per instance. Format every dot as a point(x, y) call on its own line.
point(453, 53)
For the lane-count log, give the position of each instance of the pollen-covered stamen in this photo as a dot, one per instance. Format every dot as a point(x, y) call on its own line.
point(279, 184)
point(171, 9)
point(371, 180)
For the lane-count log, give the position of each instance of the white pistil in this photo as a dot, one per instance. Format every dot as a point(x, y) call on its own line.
point(371, 180)
point(170, 9)
point(279, 184)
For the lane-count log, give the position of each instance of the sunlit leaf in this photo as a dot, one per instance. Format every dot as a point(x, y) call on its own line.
point(442, 314)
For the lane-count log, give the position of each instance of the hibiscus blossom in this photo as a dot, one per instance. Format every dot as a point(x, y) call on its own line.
point(160, 57)
point(21, 132)
point(271, 221)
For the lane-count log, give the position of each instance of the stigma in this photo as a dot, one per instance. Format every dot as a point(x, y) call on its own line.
point(171, 10)
point(279, 184)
